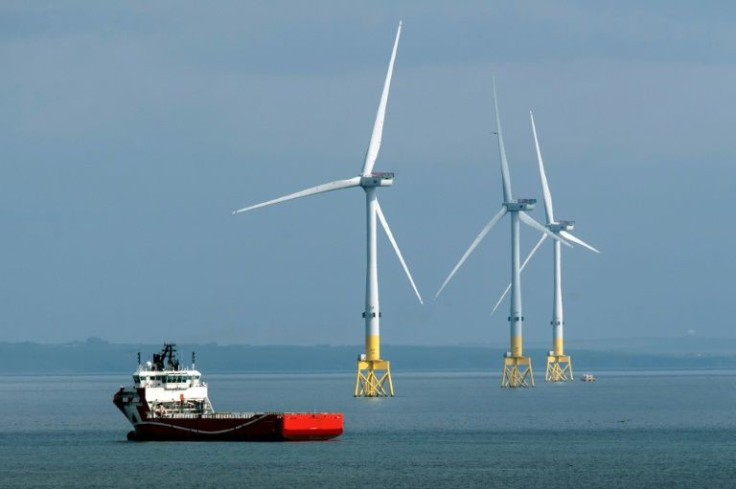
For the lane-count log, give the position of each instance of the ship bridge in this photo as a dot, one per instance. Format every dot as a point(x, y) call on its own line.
point(179, 379)
point(165, 371)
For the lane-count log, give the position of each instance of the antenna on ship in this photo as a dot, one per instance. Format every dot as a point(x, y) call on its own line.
point(139, 359)
point(193, 360)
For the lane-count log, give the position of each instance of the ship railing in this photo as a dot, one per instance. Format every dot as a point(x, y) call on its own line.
point(229, 415)
point(180, 415)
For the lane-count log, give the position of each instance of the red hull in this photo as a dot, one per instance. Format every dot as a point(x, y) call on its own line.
point(256, 427)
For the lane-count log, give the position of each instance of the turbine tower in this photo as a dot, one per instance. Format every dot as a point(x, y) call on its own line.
point(373, 377)
point(517, 369)
point(559, 365)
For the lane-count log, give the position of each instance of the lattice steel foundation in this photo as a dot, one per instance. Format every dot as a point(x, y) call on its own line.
point(517, 372)
point(373, 379)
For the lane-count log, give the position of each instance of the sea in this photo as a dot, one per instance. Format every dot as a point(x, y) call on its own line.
point(654, 429)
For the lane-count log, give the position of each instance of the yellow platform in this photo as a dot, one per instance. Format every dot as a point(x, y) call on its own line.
point(559, 368)
point(517, 372)
point(373, 379)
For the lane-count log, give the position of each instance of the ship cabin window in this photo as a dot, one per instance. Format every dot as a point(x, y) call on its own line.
point(176, 379)
point(136, 379)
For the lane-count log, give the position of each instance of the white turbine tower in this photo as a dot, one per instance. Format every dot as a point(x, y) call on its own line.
point(517, 369)
point(559, 365)
point(373, 378)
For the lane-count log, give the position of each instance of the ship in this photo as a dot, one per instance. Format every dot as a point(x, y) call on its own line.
point(169, 402)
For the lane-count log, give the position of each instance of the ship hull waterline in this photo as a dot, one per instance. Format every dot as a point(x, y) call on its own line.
point(223, 426)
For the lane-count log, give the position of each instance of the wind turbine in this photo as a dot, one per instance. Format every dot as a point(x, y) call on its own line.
point(373, 378)
point(559, 365)
point(517, 369)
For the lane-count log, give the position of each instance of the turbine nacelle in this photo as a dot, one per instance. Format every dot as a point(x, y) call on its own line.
point(520, 205)
point(377, 179)
point(558, 226)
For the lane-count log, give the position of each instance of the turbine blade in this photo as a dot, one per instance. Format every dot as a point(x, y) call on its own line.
point(543, 177)
point(319, 189)
point(390, 235)
point(475, 243)
point(577, 240)
point(529, 221)
point(375, 143)
point(500, 299)
point(529, 257)
point(505, 175)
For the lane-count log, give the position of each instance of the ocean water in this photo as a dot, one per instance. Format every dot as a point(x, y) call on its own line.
point(454, 430)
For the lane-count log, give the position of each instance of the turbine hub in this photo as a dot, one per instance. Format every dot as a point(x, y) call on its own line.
point(558, 226)
point(377, 179)
point(520, 205)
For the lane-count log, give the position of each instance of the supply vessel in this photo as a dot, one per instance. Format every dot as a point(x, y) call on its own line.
point(168, 402)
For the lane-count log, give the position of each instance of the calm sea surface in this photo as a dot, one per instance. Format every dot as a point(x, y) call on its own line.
point(457, 430)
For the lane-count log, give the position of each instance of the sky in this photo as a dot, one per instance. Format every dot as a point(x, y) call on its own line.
point(129, 132)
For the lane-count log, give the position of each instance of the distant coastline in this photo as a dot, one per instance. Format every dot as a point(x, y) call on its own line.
point(98, 356)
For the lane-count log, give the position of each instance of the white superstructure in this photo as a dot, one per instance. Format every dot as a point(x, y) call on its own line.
point(162, 388)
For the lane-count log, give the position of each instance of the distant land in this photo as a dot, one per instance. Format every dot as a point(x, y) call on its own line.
point(96, 356)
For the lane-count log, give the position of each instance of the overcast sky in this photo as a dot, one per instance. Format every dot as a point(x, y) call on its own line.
point(129, 131)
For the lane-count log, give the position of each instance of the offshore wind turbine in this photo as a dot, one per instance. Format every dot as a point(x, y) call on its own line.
point(559, 365)
point(373, 377)
point(517, 369)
